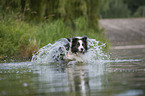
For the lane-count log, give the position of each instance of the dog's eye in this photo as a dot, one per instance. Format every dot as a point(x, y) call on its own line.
point(78, 44)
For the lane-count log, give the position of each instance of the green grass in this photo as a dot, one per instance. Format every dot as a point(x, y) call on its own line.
point(20, 39)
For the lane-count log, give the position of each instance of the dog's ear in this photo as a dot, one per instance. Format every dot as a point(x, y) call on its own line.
point(84, 38)
point(74, 40)
point(69, 39)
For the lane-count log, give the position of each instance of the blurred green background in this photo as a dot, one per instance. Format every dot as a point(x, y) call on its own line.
point(27, 25)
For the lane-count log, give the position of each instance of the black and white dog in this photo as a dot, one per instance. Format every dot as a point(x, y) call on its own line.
point(76, 47)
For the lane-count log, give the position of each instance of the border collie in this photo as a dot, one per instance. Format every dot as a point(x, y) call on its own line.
point(76, 47)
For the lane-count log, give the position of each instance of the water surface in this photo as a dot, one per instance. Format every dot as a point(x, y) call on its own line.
point(122, 75)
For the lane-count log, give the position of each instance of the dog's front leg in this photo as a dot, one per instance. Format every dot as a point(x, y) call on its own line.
point(72, 62)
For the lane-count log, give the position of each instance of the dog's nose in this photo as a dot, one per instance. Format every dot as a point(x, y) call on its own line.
point(82, 49)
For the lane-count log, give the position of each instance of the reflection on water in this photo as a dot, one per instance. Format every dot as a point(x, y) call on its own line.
point(73, 79)
point(123, 75)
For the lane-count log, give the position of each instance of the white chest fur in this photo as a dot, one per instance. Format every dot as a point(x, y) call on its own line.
point(73, 56)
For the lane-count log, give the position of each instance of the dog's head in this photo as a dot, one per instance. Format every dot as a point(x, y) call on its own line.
point(78, 44)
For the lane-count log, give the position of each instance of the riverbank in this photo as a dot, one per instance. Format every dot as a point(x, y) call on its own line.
point(20, 39)
point(125, 31)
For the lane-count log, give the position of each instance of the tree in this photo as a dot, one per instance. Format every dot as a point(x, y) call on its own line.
point(133, 5)
point(68, 10)
point(115, 9)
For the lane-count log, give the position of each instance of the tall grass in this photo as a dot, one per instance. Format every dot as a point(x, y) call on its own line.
point(21, 39)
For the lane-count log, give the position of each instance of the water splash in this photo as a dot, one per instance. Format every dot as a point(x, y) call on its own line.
point(51, 52)
point(95, 53)
point(48, 53)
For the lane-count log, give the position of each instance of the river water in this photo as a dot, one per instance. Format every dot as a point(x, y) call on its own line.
point(121, 75)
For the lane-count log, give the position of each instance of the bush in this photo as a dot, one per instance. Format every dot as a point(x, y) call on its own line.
point(16, 35)
point(21, 39)
point(115, 9)
point(140, 12)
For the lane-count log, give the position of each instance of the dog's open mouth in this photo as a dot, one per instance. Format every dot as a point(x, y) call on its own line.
point(82, 52)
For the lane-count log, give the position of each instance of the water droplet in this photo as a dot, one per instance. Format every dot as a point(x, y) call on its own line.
point(51, 52)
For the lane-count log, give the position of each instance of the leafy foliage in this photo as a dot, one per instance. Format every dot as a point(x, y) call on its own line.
point(115, 9)
point(21, 39)
point(67, 10)
point(26, 25)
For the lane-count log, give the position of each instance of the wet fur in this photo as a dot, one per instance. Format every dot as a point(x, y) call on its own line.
point(74, 49)
point(77, 47)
